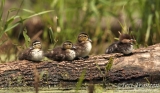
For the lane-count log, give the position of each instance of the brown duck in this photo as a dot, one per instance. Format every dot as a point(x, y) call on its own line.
point(34, 53)
point(83, 46)
point(124, 45)
point(64, 53)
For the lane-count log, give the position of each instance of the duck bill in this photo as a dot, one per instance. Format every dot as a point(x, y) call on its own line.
point(133, 40)
point(74, 48)
point(89, 40)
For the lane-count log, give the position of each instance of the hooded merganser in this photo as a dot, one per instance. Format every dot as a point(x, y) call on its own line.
point(84, 46)
point(124, 45)
point(34, 53)
point(64, 53)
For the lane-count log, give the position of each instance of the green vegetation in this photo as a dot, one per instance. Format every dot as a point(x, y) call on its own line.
point(101, 19)
point(80, 81)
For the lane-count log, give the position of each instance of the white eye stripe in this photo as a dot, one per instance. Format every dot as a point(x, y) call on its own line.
point(35, 43)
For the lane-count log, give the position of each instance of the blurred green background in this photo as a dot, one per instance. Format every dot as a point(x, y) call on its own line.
point(101, 19)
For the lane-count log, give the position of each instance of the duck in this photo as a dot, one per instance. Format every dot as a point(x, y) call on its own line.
point(83, 46)
point(124, 45)
point(34, 53)
point(62, 53)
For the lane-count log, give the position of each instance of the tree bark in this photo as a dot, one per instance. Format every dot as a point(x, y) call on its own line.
point(142, 66)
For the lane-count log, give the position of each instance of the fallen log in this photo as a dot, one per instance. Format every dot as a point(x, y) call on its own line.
point(143, 64)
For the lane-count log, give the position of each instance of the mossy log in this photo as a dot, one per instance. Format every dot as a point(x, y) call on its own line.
point(143, 64)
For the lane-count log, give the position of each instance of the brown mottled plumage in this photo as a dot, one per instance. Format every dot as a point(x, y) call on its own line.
point(83, 46)
point(34, 53)
point(124, 45)
point(63, 53)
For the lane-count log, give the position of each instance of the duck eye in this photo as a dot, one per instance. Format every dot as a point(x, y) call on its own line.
point(85, 36)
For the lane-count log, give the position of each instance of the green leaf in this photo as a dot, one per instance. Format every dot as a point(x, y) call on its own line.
point(116, 39)
point(6, 28)
point(12, 19)
point(13, 9)
point(54, 3)
point(78, 85)
point(51, 34)
point(123, 27)
point(1, 8)
point(27, 38)
point(149, 27)
point(8, 22)
point(109, 65)
point(40, 13)
point(27, 10)
point(94, 8)
point(11, 27)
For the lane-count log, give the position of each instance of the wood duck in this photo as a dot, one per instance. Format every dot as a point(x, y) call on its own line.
point(34, 53)
point(64, 53)
point(124, 45)
point(83, 46)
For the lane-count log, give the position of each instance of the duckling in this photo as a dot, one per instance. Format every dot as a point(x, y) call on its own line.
point(124, 45)
point(64, 53)
point(83, 46)
point(34, 53)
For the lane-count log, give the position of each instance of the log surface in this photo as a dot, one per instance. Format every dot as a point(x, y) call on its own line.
point(144, 62)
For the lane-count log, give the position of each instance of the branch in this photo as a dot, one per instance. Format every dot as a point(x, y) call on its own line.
point(144, 62)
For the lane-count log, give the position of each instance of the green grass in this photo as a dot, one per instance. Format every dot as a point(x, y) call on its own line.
point(94, 17)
